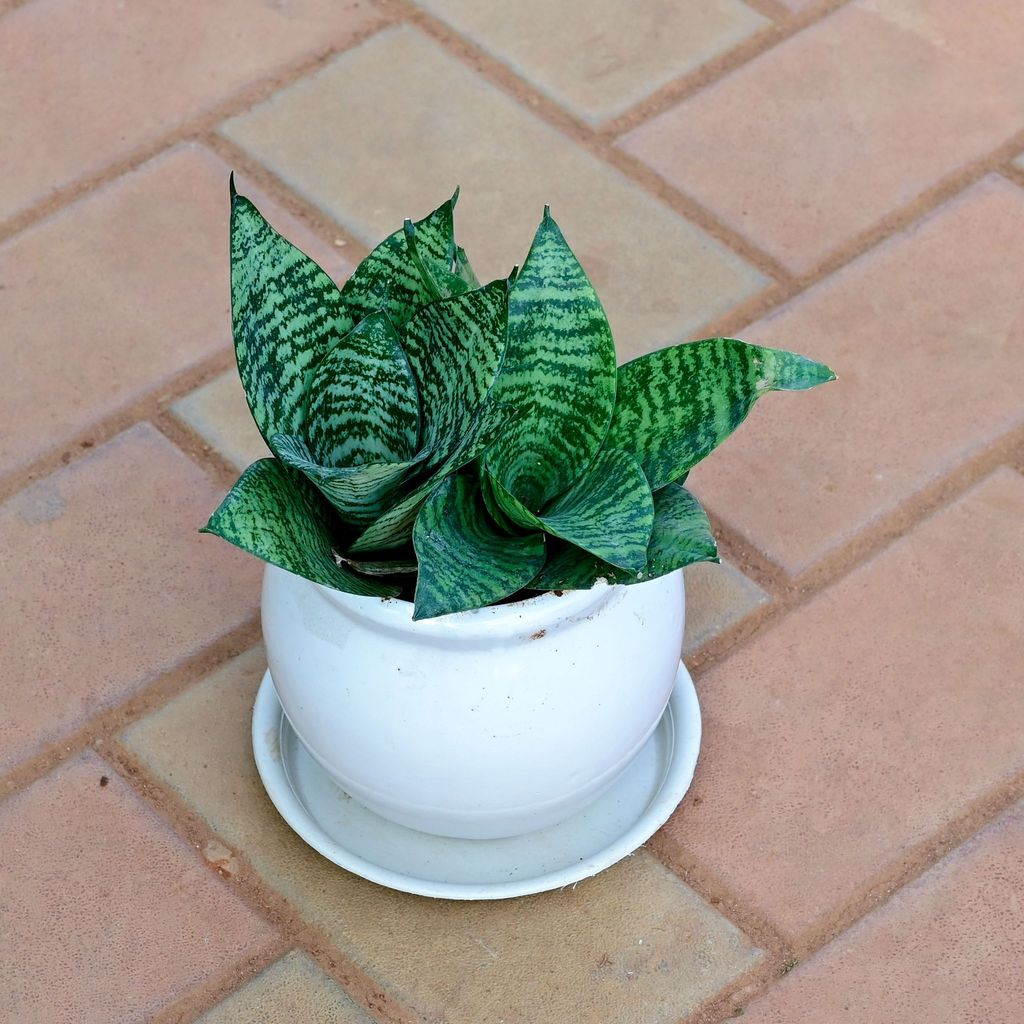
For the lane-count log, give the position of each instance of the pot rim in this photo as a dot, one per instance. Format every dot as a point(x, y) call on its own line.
point(532, 614)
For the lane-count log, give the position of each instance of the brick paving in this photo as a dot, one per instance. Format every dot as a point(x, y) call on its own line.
point(842, 178)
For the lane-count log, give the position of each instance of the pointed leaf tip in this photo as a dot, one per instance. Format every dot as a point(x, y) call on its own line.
point(232, 191)
point(455, 196)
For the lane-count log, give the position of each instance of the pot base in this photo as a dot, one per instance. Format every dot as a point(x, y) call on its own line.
point(353, 837)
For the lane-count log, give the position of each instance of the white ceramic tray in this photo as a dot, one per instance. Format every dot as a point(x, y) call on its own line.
point(360, 841)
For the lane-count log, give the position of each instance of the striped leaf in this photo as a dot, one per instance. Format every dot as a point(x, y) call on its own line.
point(676, 405)
point(274, 514)
point(397, 279)
point(463, 562)
point(558, 374)
point(681, 535)
point(608, 511)
point(394, 527)
point(455, 347)
point(359, 493)
point(363, 406)
point(286, 314)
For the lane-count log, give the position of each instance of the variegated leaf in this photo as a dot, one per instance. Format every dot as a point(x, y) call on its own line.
point(363, 406)
point(394, 527)
point(558, 374)
point(608, 511)
point(681, 535)
point(391, 279)
point(463, 562)
point(359, 493)
point(676, 405)
point(455, 347)
point(274, 514)
point(286, 314)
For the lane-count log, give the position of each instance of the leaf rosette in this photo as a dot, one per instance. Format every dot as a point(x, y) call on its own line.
point(460, 443)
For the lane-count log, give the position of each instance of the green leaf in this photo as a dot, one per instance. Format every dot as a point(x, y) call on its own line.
point(608, 511)
point(681, 535)
point(397, 280)
point(394, 527)
point(363, 406)
point(463, 562)
point(558, 374)
point(286, 314)
point(455, 347)
point(398, 567)
point(462, 268)
point(676, 405)
point(273, 514)
point(359, 493)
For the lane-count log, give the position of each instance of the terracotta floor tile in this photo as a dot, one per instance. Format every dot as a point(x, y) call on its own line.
point(620, 51)
point(867, 719)
point(925, 333)
point(114, 585)
point(634, 945)
point(371, 147)
point(109, 298)
point(717, 597)
point(106, 915)
point(822, 136)
point(217, 411)
point(292, 991)
point(84, 85)
point(943, 950)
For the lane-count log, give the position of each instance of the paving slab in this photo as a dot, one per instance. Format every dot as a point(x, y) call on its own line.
point(633, 945)
point(868, 719)
point(112, 585)
point(821, 137)
point(925, 333)
point(218, 413)
point(598, 59)
point(941, 950)
point(110, 298)
point(106, 914)
point(68, 115)
point(292, 991)
point(717, 597)
point(334, 138)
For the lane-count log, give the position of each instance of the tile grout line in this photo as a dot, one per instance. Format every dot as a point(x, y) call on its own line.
point(197, 1000)
point(189, 129)
point(480, 62)
point(917, 861)
point(713, 71)
point(148, 698)
point(257, 892)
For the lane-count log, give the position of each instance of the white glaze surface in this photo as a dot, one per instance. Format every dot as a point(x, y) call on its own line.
point(352, 836)
point(483, 724)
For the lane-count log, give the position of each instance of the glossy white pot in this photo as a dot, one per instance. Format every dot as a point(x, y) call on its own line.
point(481, 724)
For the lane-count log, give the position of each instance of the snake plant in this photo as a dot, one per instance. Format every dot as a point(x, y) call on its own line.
point(460, 443)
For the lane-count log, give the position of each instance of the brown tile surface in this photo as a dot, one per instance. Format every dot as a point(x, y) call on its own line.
point(218, 412)
point(867, 719)
point(539, 958)
point(105, 914)
point(112, 584)
point(942, 950)
point(292, 991)
point(111, 297)
point(619, 51)
point(822, 136)
point(925, 333)
point(82, 85)
point(371, 146)
point(717, 597)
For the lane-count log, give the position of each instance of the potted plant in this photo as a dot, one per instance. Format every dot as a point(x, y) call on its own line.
point(474, 523)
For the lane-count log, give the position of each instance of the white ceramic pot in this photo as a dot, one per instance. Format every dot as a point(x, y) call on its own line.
point(481, 724)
